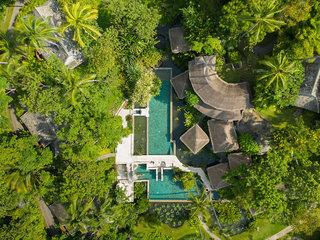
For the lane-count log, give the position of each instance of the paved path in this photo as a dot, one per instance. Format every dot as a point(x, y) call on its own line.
point(46, 213)
point(105, 156)
point(281, 234)
point(206, 228)
point(15, 124)
point(16, 8)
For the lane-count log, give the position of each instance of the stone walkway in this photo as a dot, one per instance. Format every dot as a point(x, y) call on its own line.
point(281, 234)
point(206, 228)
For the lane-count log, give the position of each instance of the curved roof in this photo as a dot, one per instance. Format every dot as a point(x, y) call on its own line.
point(212, 90)
point(218, 114)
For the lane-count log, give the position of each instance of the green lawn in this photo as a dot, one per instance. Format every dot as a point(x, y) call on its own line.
point(179, 233)
point(281, 117)
point(140, 135)
point(261, 230)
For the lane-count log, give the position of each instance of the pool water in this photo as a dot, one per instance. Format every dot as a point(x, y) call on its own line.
point(159, 117)
point(167, 189)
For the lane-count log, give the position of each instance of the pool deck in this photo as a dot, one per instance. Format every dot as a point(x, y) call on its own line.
point(124, 156)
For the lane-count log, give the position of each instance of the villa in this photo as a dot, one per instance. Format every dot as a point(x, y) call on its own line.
point(148, 155)
point(65, 49)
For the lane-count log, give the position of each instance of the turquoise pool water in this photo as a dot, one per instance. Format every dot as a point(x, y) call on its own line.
point(167, 189)
point(159, 117)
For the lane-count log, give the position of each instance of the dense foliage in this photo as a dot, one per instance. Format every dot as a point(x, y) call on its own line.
point(285, 182)
point(248, 144)
point(266, 43)
point(186, 178)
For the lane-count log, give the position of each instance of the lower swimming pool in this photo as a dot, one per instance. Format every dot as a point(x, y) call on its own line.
point(159, 117)
point(167, 189)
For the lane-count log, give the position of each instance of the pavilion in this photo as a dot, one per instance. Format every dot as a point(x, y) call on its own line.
point(195, 139)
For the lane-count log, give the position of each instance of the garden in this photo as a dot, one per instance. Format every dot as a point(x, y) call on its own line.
point(140, 135)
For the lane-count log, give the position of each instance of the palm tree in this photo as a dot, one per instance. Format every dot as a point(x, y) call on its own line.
point(75, 83)
point(200, 203)
point(80, 19)
point(37, 33)
point(79, 211)
point(11, 69)
point(22, 182)
point(9, 46)
point(263, 18)
point(277, 71)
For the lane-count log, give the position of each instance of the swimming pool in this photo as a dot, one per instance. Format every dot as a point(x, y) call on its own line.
point(159, 117)
point(167, 189)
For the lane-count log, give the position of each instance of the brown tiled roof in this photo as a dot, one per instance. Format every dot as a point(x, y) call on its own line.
point(181, 84)
point(215, 174)
point(223, 136)
point(237, 159)
point(218, 114)
point(213, 90)
point(195, 139)
point(178, 42)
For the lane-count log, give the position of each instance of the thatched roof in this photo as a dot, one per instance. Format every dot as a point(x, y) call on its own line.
point(218, 114)
point(181, 84)
point(213, 90)
point(195, 139)
point(65, 49)
point(237, 159)
point(59, 211)
point(223, 136)
point(309, 94)
point(215, 174)
point(178, 42)
point(39, 126)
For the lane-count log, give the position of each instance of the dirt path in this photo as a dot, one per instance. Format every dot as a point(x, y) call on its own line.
point(206, 228)
point(281, 234)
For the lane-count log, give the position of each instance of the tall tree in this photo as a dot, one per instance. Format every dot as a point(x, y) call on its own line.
point(262, 18)
point(75, 83)
point(278, 81)
point(36, 33)
point(23, 164)
point(10, 45)
point(81, 20)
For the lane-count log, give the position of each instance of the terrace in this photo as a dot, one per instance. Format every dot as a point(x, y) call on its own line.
point(148, 154)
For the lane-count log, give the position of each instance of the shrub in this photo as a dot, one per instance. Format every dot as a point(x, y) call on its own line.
point(248, 144)
point(186, 178)
point(228, 212)
point(172, 214)
point(192, 99)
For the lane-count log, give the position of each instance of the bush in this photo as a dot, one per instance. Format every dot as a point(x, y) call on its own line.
point(186, 178)
point(228, 212)
point(192, 99)
point(172, 214)
point(248, 144)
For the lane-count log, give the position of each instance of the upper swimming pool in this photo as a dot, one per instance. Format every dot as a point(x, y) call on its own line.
point(159, 117)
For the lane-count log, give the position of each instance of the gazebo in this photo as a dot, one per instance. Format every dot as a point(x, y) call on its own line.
point(223, 136)
point(195, 139)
